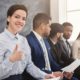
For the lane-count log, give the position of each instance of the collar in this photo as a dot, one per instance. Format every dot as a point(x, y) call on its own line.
point(37, 35)
point(53, 41)
point(10, 34)
point(63, 39)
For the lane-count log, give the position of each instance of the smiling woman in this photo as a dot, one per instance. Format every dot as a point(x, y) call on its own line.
point(17, 21)
point(16, 18)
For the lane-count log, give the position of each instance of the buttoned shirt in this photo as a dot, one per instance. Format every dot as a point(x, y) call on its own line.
point(8, 42)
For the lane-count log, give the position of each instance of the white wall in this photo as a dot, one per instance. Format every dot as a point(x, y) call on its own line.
point(58, 10)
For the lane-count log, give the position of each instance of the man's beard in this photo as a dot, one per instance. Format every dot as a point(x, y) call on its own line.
point(59, 38)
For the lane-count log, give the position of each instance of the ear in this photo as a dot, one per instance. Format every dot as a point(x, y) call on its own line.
point(58, 34)
point(8, 18)
point(42, 25)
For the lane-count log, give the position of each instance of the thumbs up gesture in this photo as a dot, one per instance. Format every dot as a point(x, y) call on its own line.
point(16, 56)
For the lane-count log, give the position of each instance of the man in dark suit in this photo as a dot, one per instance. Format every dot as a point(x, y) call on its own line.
point(66, 48)
point(65, 45)
point(41, 55)
point(55, 34)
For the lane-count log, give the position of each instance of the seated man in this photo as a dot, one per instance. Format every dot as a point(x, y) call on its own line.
point(66, 48)
point(39, 51)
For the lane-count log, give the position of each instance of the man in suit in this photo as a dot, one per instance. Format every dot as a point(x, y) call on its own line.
point(55, 34)
point(65, 45)
point(41, 29)
point(66, 48)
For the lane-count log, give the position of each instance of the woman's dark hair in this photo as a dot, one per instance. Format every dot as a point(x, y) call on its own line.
point(15, 7)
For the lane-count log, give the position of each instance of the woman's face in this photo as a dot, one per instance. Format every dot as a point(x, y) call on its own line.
point(17, 21)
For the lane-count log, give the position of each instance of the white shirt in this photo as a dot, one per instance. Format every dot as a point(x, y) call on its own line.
point(8, 42)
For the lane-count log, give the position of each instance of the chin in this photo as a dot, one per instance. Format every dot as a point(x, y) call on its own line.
point(19, 29)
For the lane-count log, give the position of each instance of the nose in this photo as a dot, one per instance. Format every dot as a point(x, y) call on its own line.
point(21, 21)
point(49, 28)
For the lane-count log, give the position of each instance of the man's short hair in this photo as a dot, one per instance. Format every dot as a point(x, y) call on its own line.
point(66, 24)
point(39, 19)
point(55, 28)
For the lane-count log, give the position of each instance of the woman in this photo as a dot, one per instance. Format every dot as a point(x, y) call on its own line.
point(76, 53)
point(14, 49)
point(76, 48)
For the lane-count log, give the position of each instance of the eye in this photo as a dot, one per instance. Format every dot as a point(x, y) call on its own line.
point(17, 16)
point(24, 18)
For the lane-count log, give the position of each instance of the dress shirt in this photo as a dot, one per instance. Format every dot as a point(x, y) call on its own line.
point(42, 43)
point(8, 42)
point(54, 43)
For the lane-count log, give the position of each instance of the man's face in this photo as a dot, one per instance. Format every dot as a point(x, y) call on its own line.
point(46, 29)
point(67, 32)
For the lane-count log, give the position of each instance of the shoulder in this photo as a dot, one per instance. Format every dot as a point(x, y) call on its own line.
point(2, 35)
point(76, 43)
point(3, 38)
point(21, 37)
point(30, 35)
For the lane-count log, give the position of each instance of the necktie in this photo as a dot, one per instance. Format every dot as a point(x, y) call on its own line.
point(68, 48)
point(47, 63)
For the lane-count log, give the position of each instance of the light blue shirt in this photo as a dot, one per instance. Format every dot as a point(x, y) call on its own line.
point(8, 42)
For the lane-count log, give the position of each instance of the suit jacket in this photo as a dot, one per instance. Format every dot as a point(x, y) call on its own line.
point(56, 53)
point(37, 53)
point(66, 59)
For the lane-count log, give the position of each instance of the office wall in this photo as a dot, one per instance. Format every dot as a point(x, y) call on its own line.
point(34, 7)
point(58, 10)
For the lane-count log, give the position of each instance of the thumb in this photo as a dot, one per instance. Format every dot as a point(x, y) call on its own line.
point(16, 48)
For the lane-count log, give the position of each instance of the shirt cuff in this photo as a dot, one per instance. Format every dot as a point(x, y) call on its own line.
point(44, 75)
